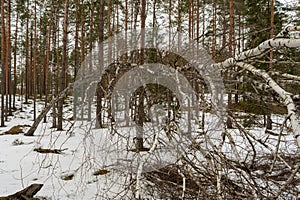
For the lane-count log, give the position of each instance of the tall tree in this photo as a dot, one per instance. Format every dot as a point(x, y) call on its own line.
point(269, 108)
point(64, 65)
point(90, 50)
point(109, 31)
point(100, 50)
point(3, 52)
point(271, 32)
point(8, 73)
point(76, 54)
point(48, 58)
point(34, 63)
point(27, 67)
point(56, 63)
point(141, 107)
point(15, 60)
point(214, 21)
point(229, 122)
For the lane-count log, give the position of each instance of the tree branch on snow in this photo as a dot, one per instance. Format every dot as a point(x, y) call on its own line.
point(290, 179)
point(248, 133)
point(44, 112)
point(278, 142)
point(26, 193)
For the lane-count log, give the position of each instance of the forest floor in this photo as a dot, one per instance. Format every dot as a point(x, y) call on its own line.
point(24, 160)
point(77, 163)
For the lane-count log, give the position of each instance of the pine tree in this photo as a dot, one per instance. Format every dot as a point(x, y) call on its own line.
point(3, 52)
point(62, 81)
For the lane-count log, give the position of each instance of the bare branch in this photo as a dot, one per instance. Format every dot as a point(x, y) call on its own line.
point(287, 97)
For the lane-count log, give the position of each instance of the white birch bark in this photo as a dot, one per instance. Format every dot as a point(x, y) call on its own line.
point(287, 97)
point(287, 30)
point(260, 49)
point(285, 75)
point(278, 41)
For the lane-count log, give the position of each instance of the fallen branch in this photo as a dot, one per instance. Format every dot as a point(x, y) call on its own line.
point(44, 112)
point(289, 180)
point(26, 193)
point(287, 97)
point(285, 75)
point(260, 49)
point(287, 30)
point(56, 151)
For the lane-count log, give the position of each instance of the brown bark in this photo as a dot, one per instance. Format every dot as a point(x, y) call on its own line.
point(3, 49)
point(271, 34)
point(269, 109)
point(126, 24)
point(15, 62)
point(64, 65)
point(54, 76)
point(214, 42)
point(27, 56)
point(34, 63)
point(47, 59)
point(99, 89)
point(109, 32)
point(141, 107)
point(90, 98)
point(197, 24)
point(229, 122)
point(26, 193)
point(8, 73)
point(76, 54)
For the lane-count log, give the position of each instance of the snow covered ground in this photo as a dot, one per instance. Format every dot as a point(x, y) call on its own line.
point(86, 151)
point(21, 166)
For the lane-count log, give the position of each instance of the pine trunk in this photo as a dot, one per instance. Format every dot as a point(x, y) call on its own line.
point(64, 66)
point(229, 121)
point(15, 62)
point(3, 51)
point(99, 123)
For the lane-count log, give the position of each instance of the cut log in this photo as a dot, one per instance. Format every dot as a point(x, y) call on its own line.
point(56, 151)
point(13, 131)
point(44, 112)
point(24, 194)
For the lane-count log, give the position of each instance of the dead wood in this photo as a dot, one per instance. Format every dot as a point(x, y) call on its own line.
point(56, 151)
point(25, 194)
point(44, 112)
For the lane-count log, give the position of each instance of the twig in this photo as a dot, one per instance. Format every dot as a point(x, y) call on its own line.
point(289, 180)
point(278, 142)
